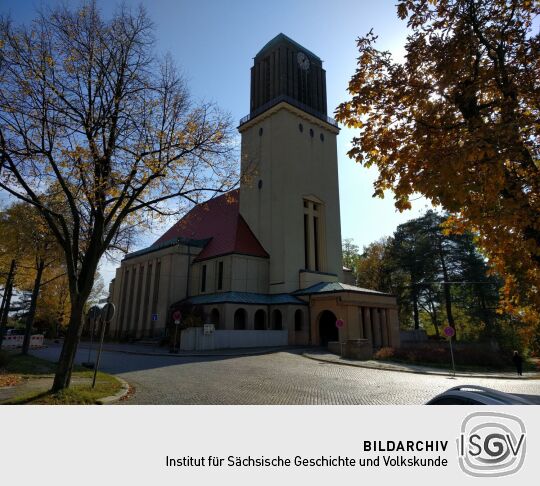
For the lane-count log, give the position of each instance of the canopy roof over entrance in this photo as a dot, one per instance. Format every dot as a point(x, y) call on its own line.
point(334, 287)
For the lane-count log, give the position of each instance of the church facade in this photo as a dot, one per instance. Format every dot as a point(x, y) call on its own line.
point(266, 256)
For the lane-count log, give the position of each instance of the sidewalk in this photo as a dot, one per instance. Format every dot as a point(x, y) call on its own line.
point(150, 350)
point(327, 357)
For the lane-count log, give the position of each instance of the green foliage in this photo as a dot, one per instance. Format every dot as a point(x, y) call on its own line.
point(439, 279)
point(439, 355)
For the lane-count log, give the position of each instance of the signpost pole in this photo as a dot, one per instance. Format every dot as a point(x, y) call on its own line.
point(177, 315)
point(92, 316)
point(449, 333)
point(99, 352)
point(452, 354)
point(106, 315)
point(91, 340)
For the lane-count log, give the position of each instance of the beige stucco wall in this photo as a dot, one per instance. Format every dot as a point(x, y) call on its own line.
point(292, 166)
point(366, 316)
point(227, 311)
point(241, 273)
point(138, 290)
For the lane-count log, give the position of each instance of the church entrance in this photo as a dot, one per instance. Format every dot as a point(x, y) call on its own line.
point(327, 328)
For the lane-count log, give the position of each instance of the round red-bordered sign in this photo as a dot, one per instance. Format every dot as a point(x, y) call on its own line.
point(340, 323)
point(449, 331)
point(177, 315)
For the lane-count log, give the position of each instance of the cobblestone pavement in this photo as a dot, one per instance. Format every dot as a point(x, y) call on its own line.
point(278, 378)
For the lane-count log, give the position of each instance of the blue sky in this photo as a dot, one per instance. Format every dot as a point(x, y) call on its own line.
point(214, 43)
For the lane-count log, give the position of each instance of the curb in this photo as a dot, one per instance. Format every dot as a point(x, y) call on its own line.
point(420, 372)
point(124, 390)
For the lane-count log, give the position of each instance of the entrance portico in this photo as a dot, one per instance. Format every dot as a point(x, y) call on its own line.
point(366, 314)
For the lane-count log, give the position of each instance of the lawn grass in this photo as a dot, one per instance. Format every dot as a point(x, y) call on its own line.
point(28, 365)
point(79, 393)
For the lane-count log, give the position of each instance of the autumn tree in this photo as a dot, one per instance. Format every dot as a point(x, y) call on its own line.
point(458, 122)
point(351, 254)
point(98, 133)
point(27, 238)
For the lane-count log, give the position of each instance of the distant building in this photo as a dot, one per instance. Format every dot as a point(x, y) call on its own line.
point(266, 256)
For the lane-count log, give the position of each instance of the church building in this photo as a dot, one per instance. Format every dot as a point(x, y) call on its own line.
point(266, 257)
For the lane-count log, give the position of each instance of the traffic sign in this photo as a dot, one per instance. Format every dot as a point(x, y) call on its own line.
point(177, 315)
point(449, 331)
point(154, 317)
point(94, 312)
point(340, 323)
point(107, 313)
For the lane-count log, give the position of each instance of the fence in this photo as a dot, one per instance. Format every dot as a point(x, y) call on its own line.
point(13, 342)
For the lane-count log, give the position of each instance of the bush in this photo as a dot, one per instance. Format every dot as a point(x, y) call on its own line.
point(439, 354)
point(384, 353)
point(4, 359)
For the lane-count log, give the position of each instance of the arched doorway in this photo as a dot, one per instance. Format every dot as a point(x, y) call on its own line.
point(240, 319)
point(260, 320)
point(277, 320)
point(214, 318)
point(327, 328)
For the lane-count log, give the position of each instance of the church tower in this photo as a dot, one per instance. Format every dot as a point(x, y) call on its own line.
point(290, 196)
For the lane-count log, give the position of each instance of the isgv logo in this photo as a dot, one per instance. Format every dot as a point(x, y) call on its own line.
point(491, 444)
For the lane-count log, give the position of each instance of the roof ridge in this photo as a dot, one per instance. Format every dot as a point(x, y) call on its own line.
point(282, 36)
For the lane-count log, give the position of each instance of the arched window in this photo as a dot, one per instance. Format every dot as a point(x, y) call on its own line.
point(240, 319)
point(298, 320)
point(214, 318)
point(260, 320)
point(277, 320)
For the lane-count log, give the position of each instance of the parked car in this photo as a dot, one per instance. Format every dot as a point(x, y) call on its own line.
point(476, 395)
point(15, 332)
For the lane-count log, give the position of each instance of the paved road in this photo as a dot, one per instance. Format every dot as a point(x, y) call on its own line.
point(278, 378)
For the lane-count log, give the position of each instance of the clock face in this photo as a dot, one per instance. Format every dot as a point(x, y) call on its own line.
point(303, 61)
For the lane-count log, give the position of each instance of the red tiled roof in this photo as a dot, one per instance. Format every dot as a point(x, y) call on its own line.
point(220, 220)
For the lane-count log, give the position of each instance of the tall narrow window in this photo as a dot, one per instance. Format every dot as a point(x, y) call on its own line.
point(145, 316)
point(203, 279)
point(314, 247)
point(306, 241)
point(316, 241)
point(123, 302)
point(220, 276)
point(156, 288)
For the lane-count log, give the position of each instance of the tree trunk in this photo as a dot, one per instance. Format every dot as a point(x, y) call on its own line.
point(415, 310)
point(78, 295)
point(447, 292)
point(435, 320)
point(6, 300)
point(62, 377)
point(33, 304)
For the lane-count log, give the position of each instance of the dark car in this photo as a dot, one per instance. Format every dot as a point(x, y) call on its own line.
point(476, 395)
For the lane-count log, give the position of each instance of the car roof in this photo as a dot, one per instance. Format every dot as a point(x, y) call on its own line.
point(482, 394)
